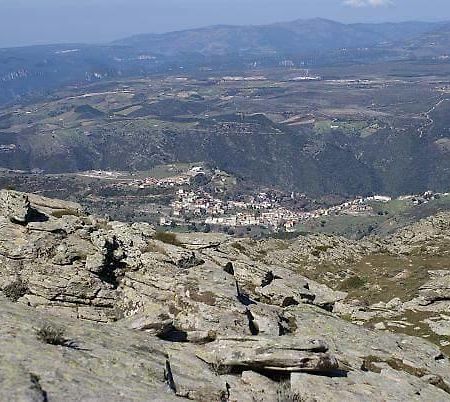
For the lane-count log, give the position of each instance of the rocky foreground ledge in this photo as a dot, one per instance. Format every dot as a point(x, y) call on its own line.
point(99, 310)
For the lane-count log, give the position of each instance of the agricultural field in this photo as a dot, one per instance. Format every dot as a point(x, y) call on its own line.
point(356, 131)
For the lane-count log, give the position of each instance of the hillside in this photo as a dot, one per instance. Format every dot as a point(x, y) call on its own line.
point(371, 131)
point(92, 307)
point(434, 43)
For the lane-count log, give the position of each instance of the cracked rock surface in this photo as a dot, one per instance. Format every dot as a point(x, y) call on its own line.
point(198, 318)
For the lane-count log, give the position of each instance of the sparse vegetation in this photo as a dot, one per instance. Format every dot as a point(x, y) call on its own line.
point(322, 248)
point(285, 394)
point(238, 246)
point(15, 290)
point(168, 238)
point(220, 369)
point(54, 335)
point(262, 253)
point(152, 247)
point(370, 364)
point(353, 282)
point(315, 253)
point(59, 213)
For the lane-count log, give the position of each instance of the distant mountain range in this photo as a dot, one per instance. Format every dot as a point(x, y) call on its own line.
point(296, 37)
point(36, 70)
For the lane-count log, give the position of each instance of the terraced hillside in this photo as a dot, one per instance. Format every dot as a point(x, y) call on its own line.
point(365, 132)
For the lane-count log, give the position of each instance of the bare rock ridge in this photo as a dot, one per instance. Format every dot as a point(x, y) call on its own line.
point(141, 316)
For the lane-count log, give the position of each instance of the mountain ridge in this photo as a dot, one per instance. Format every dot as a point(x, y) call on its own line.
point(339, 34)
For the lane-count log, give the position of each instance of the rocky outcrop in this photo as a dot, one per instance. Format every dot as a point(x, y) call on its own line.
point(428, 236)
point(152, 317)
point(437, 288)
point(277, 354)
point(385, 385)
point(15, 206)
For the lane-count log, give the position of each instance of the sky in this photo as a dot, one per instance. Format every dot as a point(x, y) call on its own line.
point(28, 22)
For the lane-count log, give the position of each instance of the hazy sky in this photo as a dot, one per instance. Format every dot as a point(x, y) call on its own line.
point(24, 22)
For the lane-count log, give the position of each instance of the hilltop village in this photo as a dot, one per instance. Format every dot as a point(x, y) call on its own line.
point(201, 196)
point(260, 210)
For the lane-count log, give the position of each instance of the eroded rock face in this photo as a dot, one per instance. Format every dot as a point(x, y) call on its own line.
point(201, 318)
point(421, 236)
point(387, 385)
point(278, 354)
point(15, 206)
point(437, 289)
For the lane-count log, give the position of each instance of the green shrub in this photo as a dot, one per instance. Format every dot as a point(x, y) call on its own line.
point(353, 282)
point(167, 237)
point(59, 213)
point(239, 247)
point(54, 335)
point(323, 248)
point(15, 290)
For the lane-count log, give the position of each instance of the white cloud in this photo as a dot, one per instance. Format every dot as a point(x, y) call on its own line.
point(367, 3)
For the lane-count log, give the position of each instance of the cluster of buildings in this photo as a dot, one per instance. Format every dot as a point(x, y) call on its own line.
point(423, 198)
point(166, 182)
point(182, 179)
point(270, 210)
point(260, 210)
